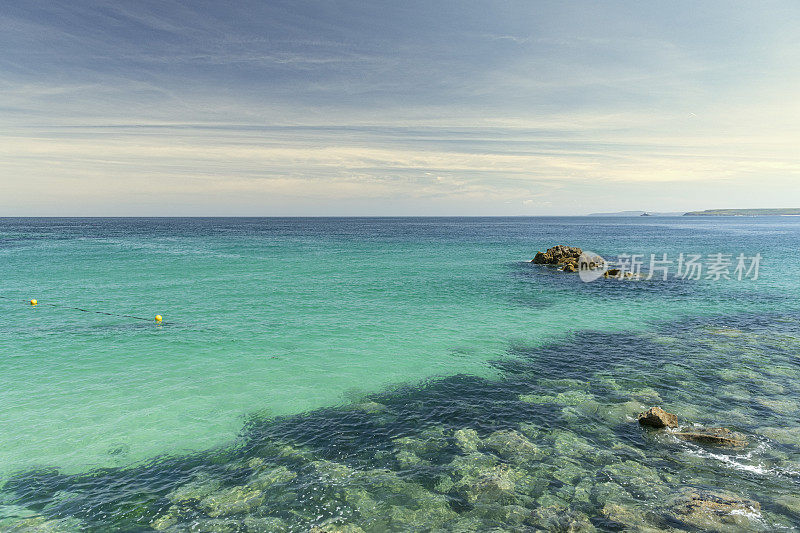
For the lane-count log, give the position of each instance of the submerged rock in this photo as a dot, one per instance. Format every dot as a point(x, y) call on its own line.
point(631, 517)
point(494, 485)
point(502, 515)
point(715, 436)
point(789, 436)
point(264, 524)
point(638, 479)
point(232, 500)
point(558, 518)
point(370, 407)
point(570, 397)
point(620, 413)
point(332, 526)
point(331, 472)
point(789, 502)
point(407, 459)
point(40, 524)
point(428, 444)
point(511, 444)
point(268, 477)
point(658, 418)
point(163, 522)
point(467, 440)
point(197, 489)
point(716, 511)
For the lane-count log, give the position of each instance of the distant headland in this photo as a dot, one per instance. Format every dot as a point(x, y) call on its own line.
point(742, 212)
point(791, 211)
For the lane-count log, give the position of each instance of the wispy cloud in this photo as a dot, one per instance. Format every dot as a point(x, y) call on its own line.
point(304, 108)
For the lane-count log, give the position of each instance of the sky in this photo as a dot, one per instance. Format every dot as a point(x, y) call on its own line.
point(273, 108)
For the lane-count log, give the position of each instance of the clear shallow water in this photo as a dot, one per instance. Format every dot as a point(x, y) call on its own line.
point(274, 326)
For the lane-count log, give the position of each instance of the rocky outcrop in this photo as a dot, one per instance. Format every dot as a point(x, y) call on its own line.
point(558, 255)
point(715, 436)
point(568, 258)
point(656, 417)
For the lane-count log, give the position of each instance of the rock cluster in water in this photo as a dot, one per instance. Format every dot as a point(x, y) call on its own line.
point(568, 256)
point(658, 418)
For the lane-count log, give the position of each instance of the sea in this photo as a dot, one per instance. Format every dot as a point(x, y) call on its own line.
point(397, 374)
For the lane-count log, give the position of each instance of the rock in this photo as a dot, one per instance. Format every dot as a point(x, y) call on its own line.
point(40, 524)
point(264, 524)
point(331, 526)
point(658, 418)
point(268, 477)
point(551, 518)
point(444, 484)
point(494, 485)
point(789, 436)
point(715, 436)
point(362, 501)
point(636, 478)
point(427, 445)
point(467, 440)
point(620, 413)
point(332, 473)
point(468, 524)
point(789, 502)
point(216, 525)
point(630, 517)
point(479, 478)
point(407, 459)
point(471, 465)
point(502, 514)
point(232, 500)
point(386, 502)
point(567, 471)
point(583, 490)
point(511, 444)
point(557, 255)
point(646, 395)
point(163, 522)
point(715, 511)
point(197, 489)
point(402, 518)
point(531, 431)
point(609, 491)
point(370, 407)
point(572, 397)
point(612, 273)
point(569, 267)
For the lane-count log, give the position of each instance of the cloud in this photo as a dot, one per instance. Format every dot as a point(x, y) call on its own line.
point(278, 104)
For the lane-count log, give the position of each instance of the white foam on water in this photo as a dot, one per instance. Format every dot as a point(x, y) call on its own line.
point(735, 461)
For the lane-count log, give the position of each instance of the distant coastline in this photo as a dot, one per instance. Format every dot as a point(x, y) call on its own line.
point(742, 212)
point(791, 211)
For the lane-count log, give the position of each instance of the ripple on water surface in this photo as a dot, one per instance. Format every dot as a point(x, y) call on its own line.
point(550, 444)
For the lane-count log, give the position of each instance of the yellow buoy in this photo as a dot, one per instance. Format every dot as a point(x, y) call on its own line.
point(34, 302)
point(158, 318)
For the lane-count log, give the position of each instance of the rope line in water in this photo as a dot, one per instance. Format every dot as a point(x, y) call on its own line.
point(60, 306)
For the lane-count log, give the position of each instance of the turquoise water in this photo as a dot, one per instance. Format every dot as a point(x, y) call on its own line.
point(273, 328)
